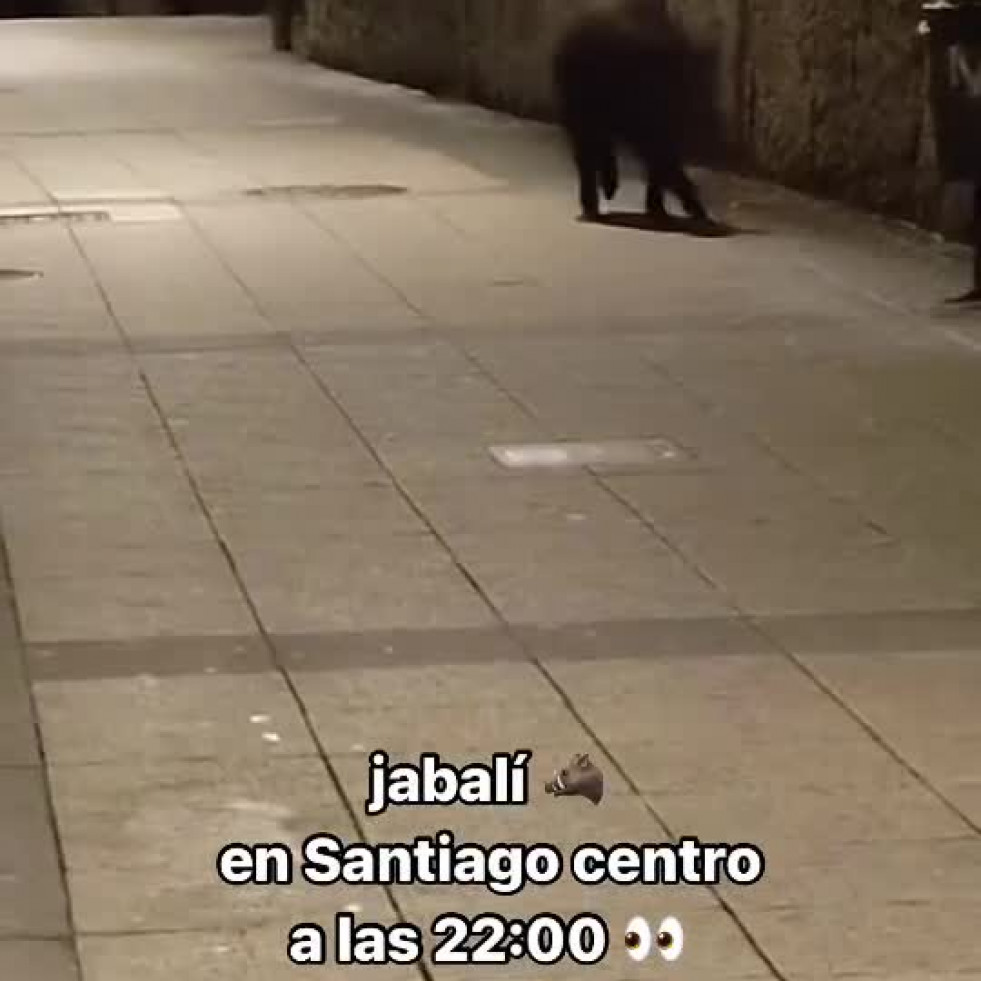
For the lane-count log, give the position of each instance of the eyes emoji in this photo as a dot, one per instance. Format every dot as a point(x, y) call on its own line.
point(669, 939)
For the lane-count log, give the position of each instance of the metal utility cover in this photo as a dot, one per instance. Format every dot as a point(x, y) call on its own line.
point(14, 275)
point(613, 453)
point(142, 212)
point(35, 216)
point(340, 192)
point(126, 212)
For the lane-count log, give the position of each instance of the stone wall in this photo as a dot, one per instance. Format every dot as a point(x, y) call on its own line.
point(836, 101)
point(129, 8)
point(824, 95)
point(422, 43)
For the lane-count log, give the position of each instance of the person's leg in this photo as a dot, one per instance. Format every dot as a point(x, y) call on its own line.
point(974, 294)
point(977, 239)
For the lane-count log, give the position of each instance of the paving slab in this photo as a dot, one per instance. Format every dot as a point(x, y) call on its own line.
point(629, 718)
point(301, 514)
point(43, 960)
point(360, 652)
point(808, 875)
point(650, 638)
point(730, 680)
point(907, 692)
point(910, 811)
point(186, 602)
point(390, 234)
point(154, 657)
point(579, 575)
point(887, 575)
point(431, 458)
point(96, 509)
point(18, 737)
point(233, 429)
point(171, 163)
point(868, 941)
point(448, 400)
point(147, 718)
point(141, 841)
point(394, 685)
point(161, 278)
point(533, 504)
point(392, 582)
point(482, 727)
point(965, 796)
point(947, 759)
point(76, 166)
point(750, 536)
point(16, 186)
point(32, 901)
point(256, 954)
point(310, 258)
point(876, 632)
point(717, 758)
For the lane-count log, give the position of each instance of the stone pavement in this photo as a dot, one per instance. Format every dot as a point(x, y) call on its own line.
point(254, 528)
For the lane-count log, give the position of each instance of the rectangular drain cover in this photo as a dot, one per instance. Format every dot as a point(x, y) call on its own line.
point(140, 212)
point(38, 216)
point(122, 213)
point(614, 453)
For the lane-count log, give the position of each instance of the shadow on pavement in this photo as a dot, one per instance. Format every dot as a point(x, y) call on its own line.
point(672, 225)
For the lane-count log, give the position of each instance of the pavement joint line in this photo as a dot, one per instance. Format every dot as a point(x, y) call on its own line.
point(867, 727)
point(191, 931)
point(62, 216)
point(258, 194)
point(174, 445)
point(622, 772)
point(304, 209)
point(353, 812)
point(767, 447)
point(602, 483)
point(627, 330)
point(332, 399)
point(397, 486)
point(950, 334)
point(178, 759)
point(296, 202)
point(273, 653)
point(43, 767)
point(666, 541)
point(306, 338)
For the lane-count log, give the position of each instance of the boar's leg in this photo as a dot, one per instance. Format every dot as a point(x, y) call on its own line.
point(682, 186)
point(654, 197)
point(610, 173)
point(588, 153)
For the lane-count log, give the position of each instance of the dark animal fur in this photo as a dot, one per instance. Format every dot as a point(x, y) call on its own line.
point(619, 73)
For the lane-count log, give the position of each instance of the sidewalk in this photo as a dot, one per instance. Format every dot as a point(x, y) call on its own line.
point(254, 529)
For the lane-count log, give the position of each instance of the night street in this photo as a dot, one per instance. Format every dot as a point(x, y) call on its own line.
point(327, 428)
